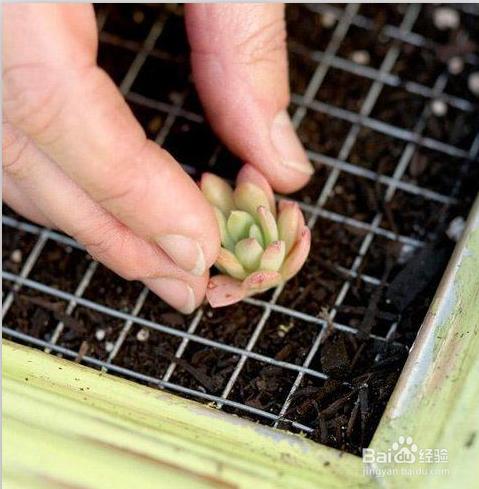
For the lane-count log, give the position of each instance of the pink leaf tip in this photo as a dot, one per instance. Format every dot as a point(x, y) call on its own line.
point(223, 291)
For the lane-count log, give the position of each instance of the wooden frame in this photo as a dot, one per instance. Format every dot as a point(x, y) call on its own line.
point(66, 425)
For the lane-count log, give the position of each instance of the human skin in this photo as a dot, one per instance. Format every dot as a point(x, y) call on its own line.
point(76, 159)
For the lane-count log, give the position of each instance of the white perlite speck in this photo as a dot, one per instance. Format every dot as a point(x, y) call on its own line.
point(405, 253)
point(16, 256)
point(446, 18)
point(455, 65)
point(456, 228)
point(109, 346)
point(439, 108)
point(142, 334)
point(361, 57)
point(100, 334)
point(473, 83)
point(328, 19)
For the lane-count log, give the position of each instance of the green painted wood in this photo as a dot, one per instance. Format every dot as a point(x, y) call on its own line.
point(436, 401)
point(66, 425)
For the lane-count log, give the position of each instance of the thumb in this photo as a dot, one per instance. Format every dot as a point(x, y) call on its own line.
point(240, 68)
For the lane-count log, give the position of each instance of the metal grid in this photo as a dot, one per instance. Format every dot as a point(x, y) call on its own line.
point(304, 103)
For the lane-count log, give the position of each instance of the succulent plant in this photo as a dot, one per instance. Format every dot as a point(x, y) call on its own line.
point(261, 246)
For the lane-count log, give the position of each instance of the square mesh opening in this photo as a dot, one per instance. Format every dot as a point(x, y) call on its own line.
point(322, 353)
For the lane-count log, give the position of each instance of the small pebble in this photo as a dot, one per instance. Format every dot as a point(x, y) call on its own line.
point(473, 83)
point(100, 334)
point(382, 38)
point(455, 65)
point(439, 108)
point(109, 345)
point(16, 256)
point(328, 19)
point(283, 329)
point(154, 125)
point(405, 253)
point(176, 97)
point(456, 228)
point(361, 57)
point(138, 16)
point(143, 334)
point(446, 18)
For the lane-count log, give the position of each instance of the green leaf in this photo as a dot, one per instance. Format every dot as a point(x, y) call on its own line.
point(273, 256)
point(297, 256)
point(261, 281)
point(248, 197)
point(268, 225)
point(217, 192)
point(255, 232)
point(226, 239)
point(229, 264)
point(239, 224)
point(250, 174)
point(288, 222)
point(249, 252)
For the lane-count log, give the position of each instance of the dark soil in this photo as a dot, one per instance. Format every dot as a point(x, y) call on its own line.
point(377, 321)
point(351, 96)
point(376, 151)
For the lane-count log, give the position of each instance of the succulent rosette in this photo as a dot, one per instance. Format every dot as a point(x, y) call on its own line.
point(261, 246)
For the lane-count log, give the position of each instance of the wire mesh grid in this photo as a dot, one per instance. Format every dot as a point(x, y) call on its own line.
point(260, 358)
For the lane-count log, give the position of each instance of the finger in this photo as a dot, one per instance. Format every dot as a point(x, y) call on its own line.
point(239, 66)
point(21, 203)
point(75, 114)
point(107, 240)
point(13, 145)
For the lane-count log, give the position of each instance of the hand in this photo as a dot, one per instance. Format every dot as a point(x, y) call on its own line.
point(76, 159)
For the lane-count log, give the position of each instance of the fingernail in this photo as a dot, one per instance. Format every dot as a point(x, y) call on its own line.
point(175, 292)
point(185, 252)
point(288, 145)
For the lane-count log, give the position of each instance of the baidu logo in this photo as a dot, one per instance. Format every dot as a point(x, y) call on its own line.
point(404, 450)
point(399, 459)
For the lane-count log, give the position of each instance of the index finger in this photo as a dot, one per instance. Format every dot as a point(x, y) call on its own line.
point(76, 115)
